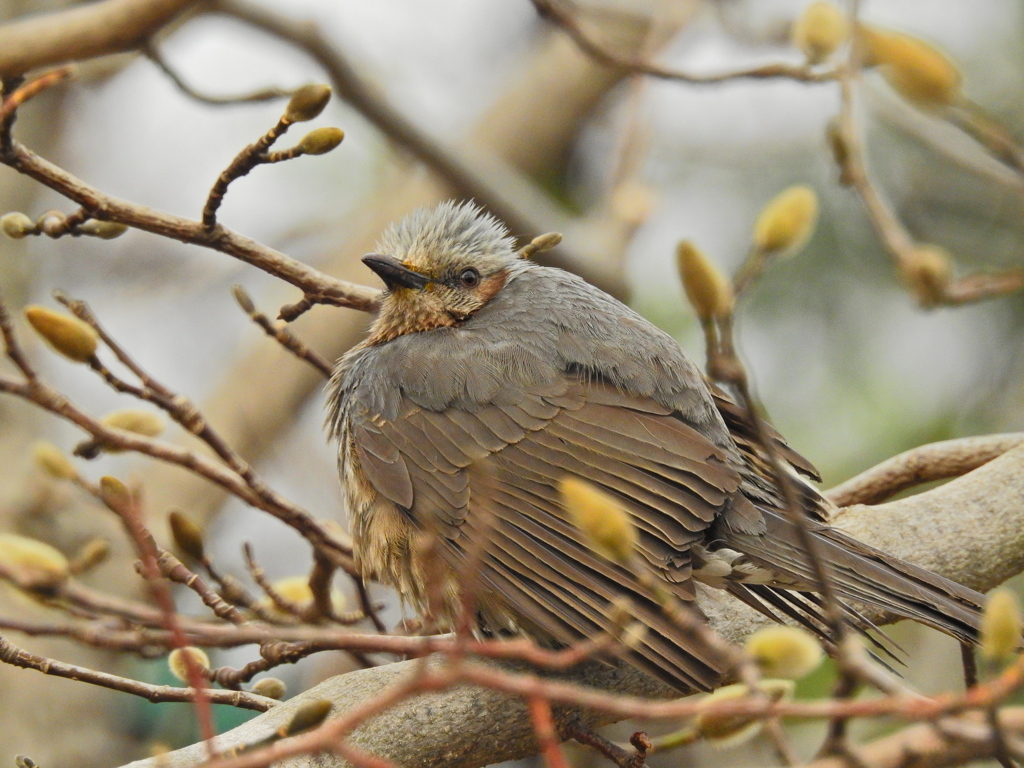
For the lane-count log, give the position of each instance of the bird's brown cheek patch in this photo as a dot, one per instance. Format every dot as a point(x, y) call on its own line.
point(490, 286)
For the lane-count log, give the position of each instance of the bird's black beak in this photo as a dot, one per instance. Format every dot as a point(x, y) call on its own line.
point(394, 273)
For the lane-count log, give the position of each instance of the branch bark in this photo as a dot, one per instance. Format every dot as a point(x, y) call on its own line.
point(970, 530)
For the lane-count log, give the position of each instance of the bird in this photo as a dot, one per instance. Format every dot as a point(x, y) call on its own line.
point(486, 380)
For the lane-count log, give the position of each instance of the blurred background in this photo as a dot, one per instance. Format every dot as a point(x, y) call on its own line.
point(847, 365)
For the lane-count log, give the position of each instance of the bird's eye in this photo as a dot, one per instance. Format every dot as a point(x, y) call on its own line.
point(469, 278)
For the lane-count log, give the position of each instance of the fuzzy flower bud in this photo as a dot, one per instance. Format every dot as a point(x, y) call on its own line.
point(73, 338)
point(732, 730)
point(307, 102)
point(104, 230)
point(145, 423)
point(307, 717)
point(295, 590)
point(918, 71)
point(1001, 626)
point(786, 652)
point(708, 289)
point(320, 141)
point(115, 494)
point(178, 661)
point(31, 564)
point(600, 517)
point(53, 461)
point(819, 31)
point(271, 687)
point(188, 537)
point(17, 225)
point(787, 222)
point(927, 271)
point(94, 552)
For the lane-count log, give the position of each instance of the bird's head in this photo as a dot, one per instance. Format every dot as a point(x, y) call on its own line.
point(440, 266)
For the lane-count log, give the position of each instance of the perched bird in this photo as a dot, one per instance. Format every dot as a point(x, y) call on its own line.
point(487, 379)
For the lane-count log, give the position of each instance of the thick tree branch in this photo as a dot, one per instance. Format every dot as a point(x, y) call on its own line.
point(970, 530)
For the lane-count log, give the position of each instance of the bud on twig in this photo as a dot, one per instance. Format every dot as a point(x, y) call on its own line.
point(31, 564)
point(787, 222)
point(296, 591)
point(115, 494)
point(271, 687)
point(918, 71)
point(73, 338)
point(786, 652)
point(94, 552)
point(320, 141)
point(601, 518)
point(731, 730)
point(179, 658)
point(709, 291)
point(1001, 627)
point(540, 244)
point(927, 271)
point(307, 102)
point(307, 717)
point(17, 225)
point(53, 461)
point(819, 31)
point(105, 230)
point(188, 537)
point(145, 423)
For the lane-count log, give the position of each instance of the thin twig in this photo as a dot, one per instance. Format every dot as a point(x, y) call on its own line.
point(264, 94)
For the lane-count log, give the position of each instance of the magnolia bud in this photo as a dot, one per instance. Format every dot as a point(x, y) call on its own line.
point(73, 338)
point(787, 222)
point(709, 291)
point(320, 141)
point(115, 494)
point(188, 537)
point(927, 270)
point(271, 687)
point(731, 730)
point(53, 461)
point(31, 564)
point(307, 717)
point(145, 423)
point(178, 661)
point(105, 230)
point(307, 102)
point(1001, 626)
point(600, 517)
point(94, 552)
point(295, 590)
point(918, 71)
point(17, 225)
point(785, 652)
point(244, 299)
point(819, 31)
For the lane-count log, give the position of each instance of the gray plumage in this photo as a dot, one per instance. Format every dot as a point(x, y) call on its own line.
point(493, 378)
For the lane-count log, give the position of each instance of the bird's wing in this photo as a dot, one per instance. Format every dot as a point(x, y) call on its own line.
point(494, 471)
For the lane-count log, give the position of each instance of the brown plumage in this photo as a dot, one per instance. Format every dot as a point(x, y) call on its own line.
point(486, 380)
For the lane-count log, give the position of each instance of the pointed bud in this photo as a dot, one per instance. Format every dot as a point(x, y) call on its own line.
point(709, 291)
point(927, 271)
point(307, 717)
point(243, 299)
point(786, 652)
point(188, 537)
point(600, 517)
point(918, 71)
point(94, 552)
point(53, 461)
point(271, 687)
point(31, 564)
point(1001, 627)
point(307, 102)
point(819, 31)
point(115, 494)
point(145, 423)
point(295, 590)
point(105, 230)
point(732, 730)
point(321, 141)
point(787, 222)
point(178, 661)
point(17, 225)
point(73, 338)
point(540, 244)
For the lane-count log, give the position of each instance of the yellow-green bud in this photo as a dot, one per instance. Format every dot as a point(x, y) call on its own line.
point(105, 230)
point(927, 271)
point(918, 71)
point(73, 338)
point(271, 687)
point(295, 590)
point(307, 102)
point(600, 517)
point(94, 552)
point(819, 31)
point(17, 225)
point(1001, 626)
point(53, 461)
point(188, 537)
point(307, 717)
point(31, 564)
point(320, 141)
point(178, 660)
point(145, 423)
point(115, 494)
point(243, 299)
point(709, 291)
point(731, 730)
point(786, 652)
point(787, 222)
